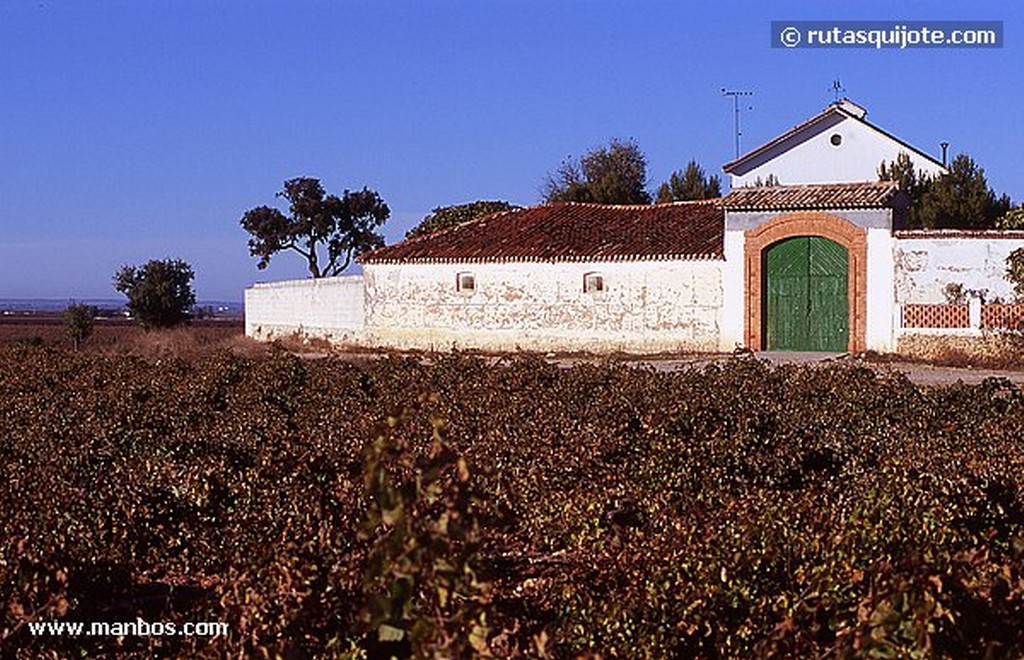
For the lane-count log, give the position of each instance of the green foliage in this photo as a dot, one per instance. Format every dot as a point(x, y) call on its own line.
point(343, 226)
point(961, 199)
point(1013, 219)
point(616, 174)
point(1015, 272)
point(159, 292)
point(423, 569)
point(444, 217)
point(690, 184)
point(737, 510)
point(78, 322)
point(912, 182)
point(955, 293)
point(769, 181)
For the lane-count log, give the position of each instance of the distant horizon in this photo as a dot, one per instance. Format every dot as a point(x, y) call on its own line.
point(15, 303)
point(138, 131)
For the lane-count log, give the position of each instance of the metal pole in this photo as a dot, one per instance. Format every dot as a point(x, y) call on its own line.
point(736, 121)
point(736, 94)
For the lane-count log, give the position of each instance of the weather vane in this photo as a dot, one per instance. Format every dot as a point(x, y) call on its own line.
point(736, 94)
point(837, 89)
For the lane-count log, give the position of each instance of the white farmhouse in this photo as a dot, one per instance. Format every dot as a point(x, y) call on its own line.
point(822, 263)
point(838, 145)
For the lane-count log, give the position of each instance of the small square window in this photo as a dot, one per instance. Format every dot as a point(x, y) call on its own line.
point(593, 283)
point(465, 283)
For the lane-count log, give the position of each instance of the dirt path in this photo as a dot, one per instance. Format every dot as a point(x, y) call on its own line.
point(927, 375)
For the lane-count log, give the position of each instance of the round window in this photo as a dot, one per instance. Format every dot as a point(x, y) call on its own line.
point(836, 139)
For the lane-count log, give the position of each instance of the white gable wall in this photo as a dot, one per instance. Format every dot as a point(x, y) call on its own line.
point(647, 306)
point(816, 160)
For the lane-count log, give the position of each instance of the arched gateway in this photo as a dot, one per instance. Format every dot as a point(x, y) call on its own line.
point(805, 281)
point(804, 297)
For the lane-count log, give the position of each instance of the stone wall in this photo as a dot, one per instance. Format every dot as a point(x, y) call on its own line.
point(927, 261)
point(645, 306)
point(331, 308)
point(983, 346)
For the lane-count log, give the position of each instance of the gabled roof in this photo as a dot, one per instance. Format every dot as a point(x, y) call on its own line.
point(571, 232)
point(835, 112)
point(880, 194)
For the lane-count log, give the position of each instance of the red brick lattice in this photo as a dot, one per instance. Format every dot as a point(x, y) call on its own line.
point(1002, 316)
point(936, 316)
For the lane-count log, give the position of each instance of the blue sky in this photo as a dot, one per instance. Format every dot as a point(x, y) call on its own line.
point(134, 129)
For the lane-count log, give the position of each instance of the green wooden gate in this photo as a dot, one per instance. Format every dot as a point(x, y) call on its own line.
point(805, 300)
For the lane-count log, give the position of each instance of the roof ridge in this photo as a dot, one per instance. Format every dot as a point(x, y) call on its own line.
point(678, 202)
point(785, 186)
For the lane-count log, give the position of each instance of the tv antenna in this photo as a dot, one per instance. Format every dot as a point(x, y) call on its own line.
point(837, 89)
point(736, 94)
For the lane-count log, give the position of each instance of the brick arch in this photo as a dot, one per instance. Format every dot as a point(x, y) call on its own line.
point(806, 223)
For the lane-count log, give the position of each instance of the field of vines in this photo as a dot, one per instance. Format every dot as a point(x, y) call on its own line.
point(457, 507)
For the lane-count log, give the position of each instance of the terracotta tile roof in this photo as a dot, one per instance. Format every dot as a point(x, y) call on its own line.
point(572, 232)
point(813, 196)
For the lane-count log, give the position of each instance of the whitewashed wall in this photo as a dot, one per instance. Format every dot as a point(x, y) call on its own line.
point(882, 314)
point(924, 265)
point(331, 308)
point(733, 290)
point(816, 160)
point(647, 306)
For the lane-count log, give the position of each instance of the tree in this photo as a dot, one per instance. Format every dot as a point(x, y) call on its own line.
point(78, 322)
point(616, 174)
point(1013, 219)
point(910, 181)
point(343, 226)
point(690, 184)
point(159, 293)
point(961, 199)
point(444, 217)
point(769, 181)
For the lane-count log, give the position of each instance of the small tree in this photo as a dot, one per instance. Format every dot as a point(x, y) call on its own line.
point(961, 199)
point(78, 322)
point(769, 181)
point(159, 293)
point(1014, 219)
point(343, 227)
point(690, 184)
point(444, 217)
point(910, 181)
point(616, 174)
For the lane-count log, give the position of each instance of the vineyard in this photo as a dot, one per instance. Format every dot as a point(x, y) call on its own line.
point(463, 506)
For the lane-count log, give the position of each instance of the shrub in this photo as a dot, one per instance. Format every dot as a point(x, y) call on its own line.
point(1015, 272)
point(78, 322)
point(324, 508)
